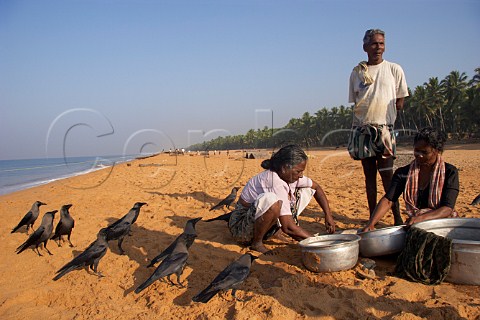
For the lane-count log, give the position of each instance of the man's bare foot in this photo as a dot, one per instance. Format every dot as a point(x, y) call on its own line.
point(258, 246)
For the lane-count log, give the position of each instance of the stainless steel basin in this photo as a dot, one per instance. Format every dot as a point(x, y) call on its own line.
point(329, 253)
point(465, 235)
point(381, 242)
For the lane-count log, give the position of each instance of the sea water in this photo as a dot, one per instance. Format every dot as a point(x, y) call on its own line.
point(26, 173)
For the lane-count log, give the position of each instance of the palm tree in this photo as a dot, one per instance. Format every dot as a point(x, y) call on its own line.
point(250, 139)
point(419, 102)
point(307, 129)
point(407, 115)
point(476, 78)
point(470, 110)
point(321, 121)
point(345, 117)
point(434, 98)
point(455, 100)
point(453, 88)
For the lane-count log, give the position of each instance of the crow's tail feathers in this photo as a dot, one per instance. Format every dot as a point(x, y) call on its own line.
point(216, 207)
point(223, 217)
point(144, 285)
point(63, 272)
point(205, 295)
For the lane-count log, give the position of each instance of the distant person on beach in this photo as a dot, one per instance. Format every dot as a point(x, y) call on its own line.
point(429, 185)
point(273, 200)
point(377, 88)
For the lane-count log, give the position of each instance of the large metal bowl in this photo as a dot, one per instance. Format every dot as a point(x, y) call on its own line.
point(381, 242)
point(329, 253)
point(465, 235)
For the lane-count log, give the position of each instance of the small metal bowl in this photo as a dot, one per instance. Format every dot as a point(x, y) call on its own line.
point(465, 235)
point(329, 253)
point(382, 242)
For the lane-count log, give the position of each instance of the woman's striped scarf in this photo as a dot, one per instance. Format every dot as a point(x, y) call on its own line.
point(437, 181)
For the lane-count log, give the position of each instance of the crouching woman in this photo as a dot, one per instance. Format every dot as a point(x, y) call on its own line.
point(274, 199)
point(429, 185)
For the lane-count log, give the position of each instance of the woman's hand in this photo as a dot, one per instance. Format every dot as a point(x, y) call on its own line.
point(413, 220)
point(429, 214)
point(366, 228)
point(329, 224)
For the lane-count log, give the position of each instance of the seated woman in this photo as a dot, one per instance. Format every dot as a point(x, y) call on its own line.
point(429, 185)
point(274, 198)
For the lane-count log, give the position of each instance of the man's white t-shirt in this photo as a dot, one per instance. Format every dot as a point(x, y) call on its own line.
point(376, 103)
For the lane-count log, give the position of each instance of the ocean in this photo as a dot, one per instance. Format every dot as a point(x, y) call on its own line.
point(26, 173)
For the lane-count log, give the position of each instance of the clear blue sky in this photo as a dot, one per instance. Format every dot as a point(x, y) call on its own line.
point(101, 77)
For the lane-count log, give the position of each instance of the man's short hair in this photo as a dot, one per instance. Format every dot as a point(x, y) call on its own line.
point(367, 38)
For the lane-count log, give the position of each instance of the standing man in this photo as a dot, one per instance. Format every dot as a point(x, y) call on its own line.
point(377, 88)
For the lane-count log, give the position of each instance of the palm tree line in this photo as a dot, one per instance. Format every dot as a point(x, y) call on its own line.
point(451, 104)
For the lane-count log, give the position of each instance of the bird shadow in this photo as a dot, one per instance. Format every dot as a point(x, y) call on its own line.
point(143, 245)
point(23, 230)
point(270, 276)
point(200, 196)
point(217, 260)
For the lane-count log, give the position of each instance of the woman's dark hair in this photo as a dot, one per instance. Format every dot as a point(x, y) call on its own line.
point(290, 156)
point(432, 137)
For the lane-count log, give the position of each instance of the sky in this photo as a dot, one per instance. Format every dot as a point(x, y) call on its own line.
point(105, 77)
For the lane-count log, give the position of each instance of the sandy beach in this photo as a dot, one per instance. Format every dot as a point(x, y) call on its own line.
point(178, 188)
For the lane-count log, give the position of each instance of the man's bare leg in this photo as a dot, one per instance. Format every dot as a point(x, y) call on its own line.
point(370, 172)
point(385, 168)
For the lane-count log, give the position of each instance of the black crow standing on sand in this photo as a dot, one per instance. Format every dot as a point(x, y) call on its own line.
point(136, 208)
point(30, 217)
point(230, 278)
point(227, 201)
point(90, 257)
point(65, 225)
point(189, 229)
point(120, 228)
point(174, 263)
point(41, 235)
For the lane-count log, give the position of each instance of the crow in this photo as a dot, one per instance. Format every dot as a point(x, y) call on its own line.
point(90, 257)
point(174, 263)
point(65, 225)
point(120, 228)
point(41, 235)
point(230, 278)
point(30, 217)
point(189, 229)
point(227, 201)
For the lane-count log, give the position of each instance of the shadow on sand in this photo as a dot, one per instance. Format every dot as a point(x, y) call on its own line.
point(282, 276)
